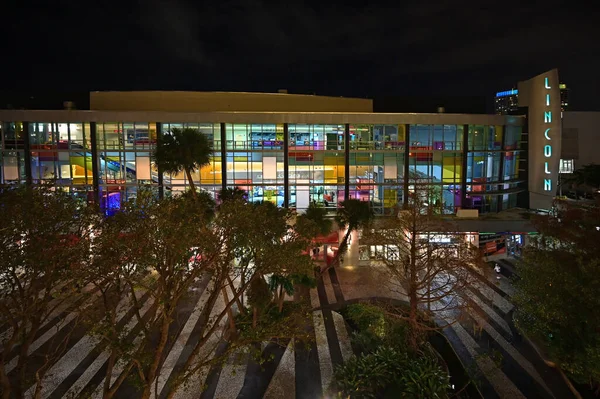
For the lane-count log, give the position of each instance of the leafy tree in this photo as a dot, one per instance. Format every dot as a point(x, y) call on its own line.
point(165, 246)
point(258, 241)
point(588, 176)
point(434, 275)
point(352, 215)
point(183, 150)
point(259, 296)
point(234, 193)
point(558, 293)
point(44, 245)
point(315, 219)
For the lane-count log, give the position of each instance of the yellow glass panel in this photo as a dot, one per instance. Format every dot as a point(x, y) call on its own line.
point(498, 132)
point(390, 198)
point(401, 133)
point(210, 173)
point(451, 168)
point(270, 195)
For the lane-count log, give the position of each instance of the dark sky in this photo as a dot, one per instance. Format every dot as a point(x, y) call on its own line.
point(366, 49)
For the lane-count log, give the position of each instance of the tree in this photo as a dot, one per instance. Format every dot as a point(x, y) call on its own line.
point(230, 194)
point(258, 241)
point(183, 150)
point(588, 176)
point(44, 242)
point(434, 274)
point(352, 215)
point(259, 296)
point(164, 247)
point(558, 293)
point(316, 217)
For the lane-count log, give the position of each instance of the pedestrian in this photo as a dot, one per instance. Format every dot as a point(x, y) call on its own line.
point(497, 269)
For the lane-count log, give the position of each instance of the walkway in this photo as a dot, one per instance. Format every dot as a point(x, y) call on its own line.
point(486, 342)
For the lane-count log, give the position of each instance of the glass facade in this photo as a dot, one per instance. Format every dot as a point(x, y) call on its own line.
point(458, 166)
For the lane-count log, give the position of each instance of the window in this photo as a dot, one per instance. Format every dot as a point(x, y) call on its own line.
point(566, 166)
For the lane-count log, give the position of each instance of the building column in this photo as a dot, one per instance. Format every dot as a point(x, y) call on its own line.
point(501, 178)
point(95, 169)
point(406, 166)
point(27, 154)
point(223, 157)
point(286, 167)
point(161, 187)
point(346, 161)
point(463, 182)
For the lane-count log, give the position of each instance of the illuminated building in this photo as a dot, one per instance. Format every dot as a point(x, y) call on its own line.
point(288, 158)
point(507, 102)
point(294, 149)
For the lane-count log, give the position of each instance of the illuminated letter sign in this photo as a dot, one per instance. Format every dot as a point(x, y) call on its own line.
point(547, 147)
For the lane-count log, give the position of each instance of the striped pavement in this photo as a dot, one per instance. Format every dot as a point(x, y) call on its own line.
point(486, 342)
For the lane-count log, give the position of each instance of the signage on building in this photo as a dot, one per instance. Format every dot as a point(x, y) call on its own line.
point(541, 95)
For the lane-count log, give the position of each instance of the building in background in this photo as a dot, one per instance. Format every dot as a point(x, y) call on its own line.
point(580, 140)
point(278, 147)
point(507, 102)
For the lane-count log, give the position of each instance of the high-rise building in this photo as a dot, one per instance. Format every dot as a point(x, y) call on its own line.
point(564, 97)
point(507, 102)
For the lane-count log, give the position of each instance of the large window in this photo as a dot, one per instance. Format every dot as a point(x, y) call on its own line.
point(316, 137)
point(567, 166)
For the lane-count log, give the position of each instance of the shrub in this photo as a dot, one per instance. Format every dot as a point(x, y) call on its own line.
point(423, 377)
point(367, 376)
point(390, 373)
point(367, 317)
point(375, 328)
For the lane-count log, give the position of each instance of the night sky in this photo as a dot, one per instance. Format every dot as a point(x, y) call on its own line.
point(363, 49)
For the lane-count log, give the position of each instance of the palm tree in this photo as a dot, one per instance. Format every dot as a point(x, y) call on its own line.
point(353, 215)
point(230, 194)
point(183, 150)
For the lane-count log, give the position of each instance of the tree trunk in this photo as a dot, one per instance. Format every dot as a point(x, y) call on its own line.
point(237, 300)
point(4, 382)
point(107, 394)
point(229, 311)
point(281, 298)
point(412, 291)
point(158, 352)
point(276, 296)
point(254, 316)
point(188, 173)
point(341, 250)
point(23, 358)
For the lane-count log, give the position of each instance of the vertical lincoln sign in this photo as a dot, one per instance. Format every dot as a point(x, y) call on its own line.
point(547, 131)
point(541, 96)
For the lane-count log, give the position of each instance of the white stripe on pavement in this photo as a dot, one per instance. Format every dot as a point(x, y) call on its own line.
point(283, 383)
point(231, 379)
point(177, 348)
point(342, 334)
point(65, 366)
point(314, 298)
point(499, 381)
point(51, 332)
point(196, 382)
point(328, 288)
point(490, 312)
point(322, 350)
